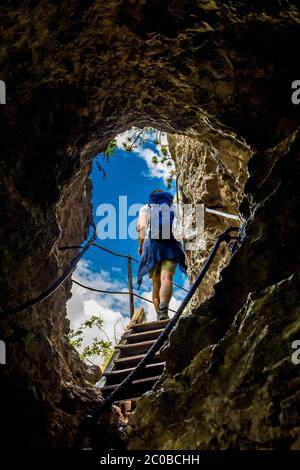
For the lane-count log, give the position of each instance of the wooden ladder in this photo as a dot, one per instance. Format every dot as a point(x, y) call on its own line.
point(133, 346)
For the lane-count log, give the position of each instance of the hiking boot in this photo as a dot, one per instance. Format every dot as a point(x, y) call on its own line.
point(162, 315)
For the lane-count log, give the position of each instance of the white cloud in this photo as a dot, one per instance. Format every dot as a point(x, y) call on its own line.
point(155, 170)
point(122, 138)
point(112, 309)
point(85, 303)
point(116, 269)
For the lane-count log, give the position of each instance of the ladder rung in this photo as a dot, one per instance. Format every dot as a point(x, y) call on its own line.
point(151, 334)
point(123, 361)
point(135, 382)
point(121, 372)
point(124, 371)
point(135, 347)
point(150, 325)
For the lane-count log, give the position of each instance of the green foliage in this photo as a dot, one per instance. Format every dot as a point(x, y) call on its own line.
point(94, 321)
point(105, 156)
point(127, 146)
point(111, 148)
point(169, 182)
point(140, 137)
point(164, 150)
point(99, 347)
point(75, 342)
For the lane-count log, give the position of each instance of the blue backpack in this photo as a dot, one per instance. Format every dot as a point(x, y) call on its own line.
point(161, 221)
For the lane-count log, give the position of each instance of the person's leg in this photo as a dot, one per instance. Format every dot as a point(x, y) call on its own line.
point(155, 290)
point(166, 286)
point(168, 268)
point(154, 275)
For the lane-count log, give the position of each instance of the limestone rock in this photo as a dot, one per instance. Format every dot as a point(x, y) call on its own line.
point(241, 392)
point(213, 175)
point(234, 387)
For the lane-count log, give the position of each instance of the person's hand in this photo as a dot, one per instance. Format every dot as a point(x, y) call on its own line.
point(140, 249)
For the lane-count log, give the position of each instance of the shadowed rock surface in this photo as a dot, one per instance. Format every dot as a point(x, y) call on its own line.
point(77, 73)
point(231, 382)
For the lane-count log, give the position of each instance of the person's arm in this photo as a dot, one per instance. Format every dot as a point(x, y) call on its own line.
point(142, 230)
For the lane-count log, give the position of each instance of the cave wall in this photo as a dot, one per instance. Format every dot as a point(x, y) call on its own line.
point(232, 383)
point(43, 385)
point(213, 175)
point(76, 74)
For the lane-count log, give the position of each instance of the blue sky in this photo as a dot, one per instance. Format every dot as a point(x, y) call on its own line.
point(126, 175)
point(130, 174)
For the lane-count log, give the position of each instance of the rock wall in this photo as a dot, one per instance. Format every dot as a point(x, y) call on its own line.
point(213, 175)
point(77, 73)
point(231, 383)
point(44, 385)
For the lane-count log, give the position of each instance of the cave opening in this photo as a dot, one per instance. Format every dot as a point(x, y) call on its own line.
point(215, 172)
point(132, 165)
point(217, 78)
point(163, 160)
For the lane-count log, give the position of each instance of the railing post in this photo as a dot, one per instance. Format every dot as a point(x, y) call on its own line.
point(130, 287)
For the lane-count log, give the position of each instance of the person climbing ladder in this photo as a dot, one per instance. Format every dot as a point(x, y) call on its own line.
point(160, 251)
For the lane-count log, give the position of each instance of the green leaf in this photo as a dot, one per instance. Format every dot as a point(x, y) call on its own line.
point(164, 150)
point(111, 148)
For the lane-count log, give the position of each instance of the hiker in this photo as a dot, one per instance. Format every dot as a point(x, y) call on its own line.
point(159, 250)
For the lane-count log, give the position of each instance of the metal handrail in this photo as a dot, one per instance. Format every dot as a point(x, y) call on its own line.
point(129, 270)
point(93, 289)
point(45, 294)
point(129, 257)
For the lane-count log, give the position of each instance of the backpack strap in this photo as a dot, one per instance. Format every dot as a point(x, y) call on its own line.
point(149, 205)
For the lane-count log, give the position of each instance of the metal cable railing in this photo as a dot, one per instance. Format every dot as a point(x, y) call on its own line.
point(45, 294)
point(90, 423)
point(129, 270)
point(93, 289)
point(120, 255)
point(89, 426)
point(70, 269)
point(133, 259)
